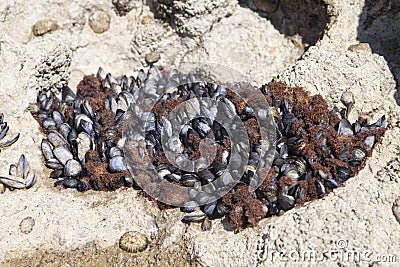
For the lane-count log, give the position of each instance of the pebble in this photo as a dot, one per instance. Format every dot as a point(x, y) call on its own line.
point(396, 209)
point(44, 26)
point(99, 21)
point(26, 225)
point(347, 98)
point(360, 47)
point(152, 57)
point(133, 242)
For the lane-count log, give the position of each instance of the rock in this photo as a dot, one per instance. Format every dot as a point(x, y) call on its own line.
point(147, 36)
point(192, 18)
point(44, 26)
point(152, 57)
point(99, 21)
point(52, 71)
point(122, 7)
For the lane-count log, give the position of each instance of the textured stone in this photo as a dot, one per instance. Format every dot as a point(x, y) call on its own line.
point(193, 18)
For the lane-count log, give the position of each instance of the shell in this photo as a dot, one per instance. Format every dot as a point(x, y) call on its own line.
point(85, 143)
point(26, 225)
point(286, 202)
point(359, 153)
point(57, 139)
point(49, 123)
point(63, 154)
point(57, 117)
point(345, 128)
point(344, 173)
point(9, 182)
point(30, 181)
point(10, 141)
point(133, 242)
point(195, 216)
point(70, 183)
point(115, 151)
point(72, 168)
point(54, 164)
point(99, 21)
point(118, 164)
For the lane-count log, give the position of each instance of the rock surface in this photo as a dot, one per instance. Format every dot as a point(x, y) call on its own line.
point(72, 228)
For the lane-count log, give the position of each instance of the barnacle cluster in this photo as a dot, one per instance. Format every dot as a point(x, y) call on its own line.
point(316, 148)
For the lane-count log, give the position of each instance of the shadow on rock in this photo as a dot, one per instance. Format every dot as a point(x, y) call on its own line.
point(306, 19)
point(379, 25)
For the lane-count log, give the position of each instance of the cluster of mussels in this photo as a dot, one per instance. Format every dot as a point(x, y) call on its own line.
point(83, 131)
point(19, 175)
point(317, 149)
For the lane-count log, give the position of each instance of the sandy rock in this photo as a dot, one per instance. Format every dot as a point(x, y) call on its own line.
point(193, 18)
